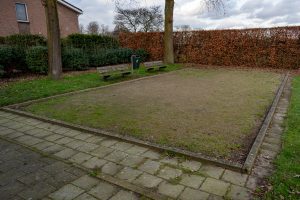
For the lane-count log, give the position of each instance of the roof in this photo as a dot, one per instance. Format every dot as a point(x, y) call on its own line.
point(72, 7)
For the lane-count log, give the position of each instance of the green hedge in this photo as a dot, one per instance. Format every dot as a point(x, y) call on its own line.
point(2, 71)
point(142, 53)
point(26, 40)
point(90, 42)
point(2, 40)
point(74, 59)
point(37, 59)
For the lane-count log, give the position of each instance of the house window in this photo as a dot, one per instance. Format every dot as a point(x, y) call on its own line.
point(21, 11)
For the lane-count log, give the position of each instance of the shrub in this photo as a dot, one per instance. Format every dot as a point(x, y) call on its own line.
point(25, 40)
point(37, 59)
point(142, 53)
point(6, 55)
point(90, 42)
point(2, 72)
point(12, 57)
point(74, 59)
point(2, 40)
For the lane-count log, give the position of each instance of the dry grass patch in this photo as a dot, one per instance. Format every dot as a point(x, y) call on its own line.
point(213, 112)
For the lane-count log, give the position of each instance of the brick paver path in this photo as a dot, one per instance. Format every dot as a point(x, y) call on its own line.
point(122, 162)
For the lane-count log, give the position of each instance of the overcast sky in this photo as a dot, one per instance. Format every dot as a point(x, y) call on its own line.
point(237, 13)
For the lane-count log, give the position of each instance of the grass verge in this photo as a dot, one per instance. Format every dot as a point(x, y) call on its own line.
point(44, 87)
point(286, 179)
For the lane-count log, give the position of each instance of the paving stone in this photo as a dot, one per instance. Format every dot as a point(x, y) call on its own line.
point(60, 179)
point(66, 153)
point(64, 140)
point(261, 171)
point(136, 150)
point(122, 195)
point(43, 145)
point(94, 163)
point(72, 133)
point(67, 192)
point(170, 189)
point(102, 151)
point(28, 140)
point(191, 165)
point(111, 168)
point(235, 177)
point(9, 191)
point(268, 154)
point(53, 149)
point(75, 144)
point(55, 168)
point(148, 180)
point(169, 173)
point(80, 158)
point(128, 174)
point(86, 182)
point(62, 130)
point(272, 140)
point(271, 147)
point(85, 196)
point(32, 178)
point(53, 137)
point(75, 171)
point(116, 156)
point(42, 133)
point(95, 139)
point(193, 181)
point(37, 191)
point(191, 194)
point(215, 197)
point(215, 186)
point(238, 193)
point(212, 171)
point(87, 147)
point(83, 136)
point(170, 161)
point(108, 143)
point(132, 161)
point(152, 155)
point(14, 135)
point(150, 166)
point(103, 190)
point(122, 146)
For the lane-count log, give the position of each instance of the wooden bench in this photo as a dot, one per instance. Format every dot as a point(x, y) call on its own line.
point(154, 65)
point(108, 71)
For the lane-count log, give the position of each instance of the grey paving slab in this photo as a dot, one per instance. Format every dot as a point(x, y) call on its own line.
point(37, 191)
point(193, 181)
point(83, 136)
point(86, 182)
point(111, 168)
point(53, 149)
point(122, 195)
point(95, 139)
point(191, 194)
point(80, 158)
point(136, 150)
point(116, 156)
point(108, 142)
point(85, 196)
point(132, 161)
point(67, 192)
point(128, 174)
point(171, 161)
point(87, 147)
point(94, 163)
point(235, 177)
point(148, 181)
point(64, 140)
point(170, 189)
point(191, 165)
point(215, 186)
point(75, 144)
point(103, 191)
point(54, 137)
point(43, 145)
point(122, 146)
point(239, 193)
point(65, 153)
point(212, 171)
point(169, 173)
point(101, 151)
point(150, 166)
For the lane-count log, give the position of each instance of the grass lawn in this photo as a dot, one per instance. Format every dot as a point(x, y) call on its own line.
point(214, 112)
point(28, 90)
point(286, 180)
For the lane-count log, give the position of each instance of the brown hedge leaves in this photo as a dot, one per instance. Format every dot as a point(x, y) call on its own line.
point(270, 47)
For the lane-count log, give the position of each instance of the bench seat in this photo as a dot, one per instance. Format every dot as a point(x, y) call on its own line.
point(155, 65)
point(108, 71)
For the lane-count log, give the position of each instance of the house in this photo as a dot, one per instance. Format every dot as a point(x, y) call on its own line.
point(28, 17)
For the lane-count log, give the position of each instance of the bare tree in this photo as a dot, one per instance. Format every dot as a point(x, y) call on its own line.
point(139, 19)
point(53, 34)
point(168, 32)
point(104, 29)
point(93, 28)
point(81, 28)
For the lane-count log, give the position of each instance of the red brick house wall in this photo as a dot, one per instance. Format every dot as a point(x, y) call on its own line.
point(37, 20)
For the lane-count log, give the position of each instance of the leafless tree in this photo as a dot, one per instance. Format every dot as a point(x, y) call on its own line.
point(139, 19)
point(104, 29)
point(81, 28)
point(93, 28)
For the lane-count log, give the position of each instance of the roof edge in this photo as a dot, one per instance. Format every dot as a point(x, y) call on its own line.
point(72, 7)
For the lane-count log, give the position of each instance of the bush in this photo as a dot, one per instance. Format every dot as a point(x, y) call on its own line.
point(12, 57)
point(110, 57)
point(2, 40)
point(2, 72)
point(142, 53)
point(26, 40)
point(37, 59)
point(6, 55)
point(90, 43)
point(74, 59)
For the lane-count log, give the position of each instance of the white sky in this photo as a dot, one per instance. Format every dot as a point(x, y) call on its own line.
point(238, 13)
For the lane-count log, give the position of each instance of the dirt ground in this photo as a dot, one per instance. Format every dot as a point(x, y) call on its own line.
point(215, 112)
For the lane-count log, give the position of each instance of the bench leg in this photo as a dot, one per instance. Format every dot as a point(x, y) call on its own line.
point(162, 67)
point(105, 77)
point(150, 69)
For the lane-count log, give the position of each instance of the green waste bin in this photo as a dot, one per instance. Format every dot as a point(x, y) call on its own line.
point(135, 61)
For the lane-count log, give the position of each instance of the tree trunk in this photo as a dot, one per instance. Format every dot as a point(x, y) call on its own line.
point(53, 34)
point(168, 34)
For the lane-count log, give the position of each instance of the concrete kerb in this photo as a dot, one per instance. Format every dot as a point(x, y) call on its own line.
point(110, 179)
point(249, 162)
point(246, 167)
